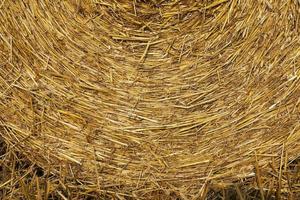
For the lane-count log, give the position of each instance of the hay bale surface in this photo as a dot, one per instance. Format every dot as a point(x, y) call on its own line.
point(131, 98)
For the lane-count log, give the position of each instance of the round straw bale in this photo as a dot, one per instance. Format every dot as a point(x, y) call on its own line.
point(130, 98)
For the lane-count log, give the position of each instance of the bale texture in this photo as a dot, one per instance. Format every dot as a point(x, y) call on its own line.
point(131, 98)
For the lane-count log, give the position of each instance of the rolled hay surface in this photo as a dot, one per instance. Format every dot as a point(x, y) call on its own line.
point(136, 98)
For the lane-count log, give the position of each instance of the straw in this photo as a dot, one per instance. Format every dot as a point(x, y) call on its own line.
point(150, 99)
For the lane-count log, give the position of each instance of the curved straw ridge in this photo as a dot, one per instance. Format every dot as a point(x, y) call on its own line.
point(131, 97)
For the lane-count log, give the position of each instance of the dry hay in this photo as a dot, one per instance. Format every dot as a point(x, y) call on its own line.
point(140, 98)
